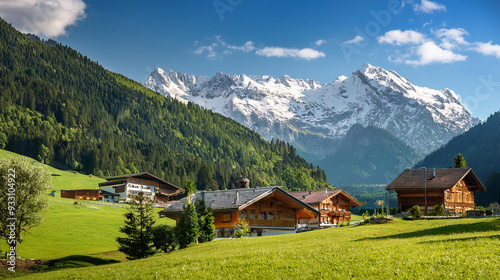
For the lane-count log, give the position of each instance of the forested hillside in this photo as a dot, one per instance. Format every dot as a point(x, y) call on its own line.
point(59, 107)
point(369, 155)
point(480, 147)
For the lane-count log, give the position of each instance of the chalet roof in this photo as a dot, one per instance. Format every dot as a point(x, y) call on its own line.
point(104, 192)
point(413, 179)
point(234, 199)
point(313, 197)
point(142, 175)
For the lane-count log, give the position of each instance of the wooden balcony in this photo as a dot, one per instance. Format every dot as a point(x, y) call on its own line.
point(270, 223)
point(459, 204)
point(336, 213)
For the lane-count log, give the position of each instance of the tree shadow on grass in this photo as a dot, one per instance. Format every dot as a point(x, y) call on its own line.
point(71, 262)
point(492, 225)
point(497, 236)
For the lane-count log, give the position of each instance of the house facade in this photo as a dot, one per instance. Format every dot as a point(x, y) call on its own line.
point(126, 186)
point(334, 206)
point(268, 210)
point(454, 188)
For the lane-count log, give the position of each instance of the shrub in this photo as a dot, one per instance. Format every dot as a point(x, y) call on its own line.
point(415, 212)
point(439, 210)
point(164, 238)
point(479, 208)
point(241, 229)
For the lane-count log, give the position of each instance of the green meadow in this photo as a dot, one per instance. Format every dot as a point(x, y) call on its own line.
point(70, 229)
point(439, 249)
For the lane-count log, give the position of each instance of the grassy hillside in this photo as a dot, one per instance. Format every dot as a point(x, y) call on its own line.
point(70, 229)
point(443, 249)
point(63, 180)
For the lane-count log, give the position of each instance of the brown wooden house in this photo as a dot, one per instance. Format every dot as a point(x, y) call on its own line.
point(453, 188)
point(86, 194)
point(334, 206)
point(268, 210)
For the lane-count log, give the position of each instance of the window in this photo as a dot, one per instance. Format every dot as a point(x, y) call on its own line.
point(262, 215)
point(243, 214)
point(252, 214)
point(226, 218)
point(458, 197)
point(270, 216)
point(466, 197)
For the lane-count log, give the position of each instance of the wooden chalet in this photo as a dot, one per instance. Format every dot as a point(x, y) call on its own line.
point(87, 194)
point(268, 210)
point(334, 206)
point(131, 184)
point(453, 188)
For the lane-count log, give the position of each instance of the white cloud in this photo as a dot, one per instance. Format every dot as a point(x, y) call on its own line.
point(429, 7)
point(452, 38)
point(429, 53)
point(398, 37)
point(355, 40)
point(319, 42)
point(306, 53)
point(219, 47)
point(488, 49)
point(42, 17)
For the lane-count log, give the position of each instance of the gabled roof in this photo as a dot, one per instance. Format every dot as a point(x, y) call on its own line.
point(413, 179)
point(313, 197)
point(142, 175)
point(235, 199)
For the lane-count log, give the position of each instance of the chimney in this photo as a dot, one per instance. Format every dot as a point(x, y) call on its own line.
point(242, 182)
point(237, 197)
point(434, 173)
point(326, 190)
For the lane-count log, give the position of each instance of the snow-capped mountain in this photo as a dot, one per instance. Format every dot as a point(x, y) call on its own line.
point(311, 115)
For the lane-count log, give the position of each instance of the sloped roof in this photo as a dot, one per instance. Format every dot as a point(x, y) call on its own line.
point(142, 175)
point(234, 199)
point(413, 179)
point(312, 197)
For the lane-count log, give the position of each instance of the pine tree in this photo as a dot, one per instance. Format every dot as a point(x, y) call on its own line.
point(187, 229)
point(138, 222)
point(459, 161)
point(205, 222)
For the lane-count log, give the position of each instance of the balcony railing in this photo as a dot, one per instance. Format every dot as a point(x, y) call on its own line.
point(270, 223)
point(337, 213)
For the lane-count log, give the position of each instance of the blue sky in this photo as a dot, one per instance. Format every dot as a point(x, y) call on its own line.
point(438, 44)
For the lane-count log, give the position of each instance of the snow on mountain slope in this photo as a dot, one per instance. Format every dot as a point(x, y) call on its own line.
point(311, 114)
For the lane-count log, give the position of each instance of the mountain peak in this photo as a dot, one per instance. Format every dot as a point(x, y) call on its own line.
point(423, 118)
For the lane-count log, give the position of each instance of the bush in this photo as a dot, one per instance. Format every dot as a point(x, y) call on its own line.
point(439, 210)
point(479, 208)
point(164, 238)
point(241, 229)
point(415, 212)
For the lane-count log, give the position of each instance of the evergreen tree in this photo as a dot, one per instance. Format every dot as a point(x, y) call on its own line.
point(205, 222)
point(187, 229)
point(164, 238)
point(190, 188)
point(138, 223)
point(459, 161)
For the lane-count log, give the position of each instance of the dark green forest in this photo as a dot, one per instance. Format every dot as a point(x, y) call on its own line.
point(58, 106)
point(480, 147)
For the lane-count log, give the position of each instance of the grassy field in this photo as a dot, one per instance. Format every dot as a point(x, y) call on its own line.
point(63, 180)
point(70, 229)
point(440, 249)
